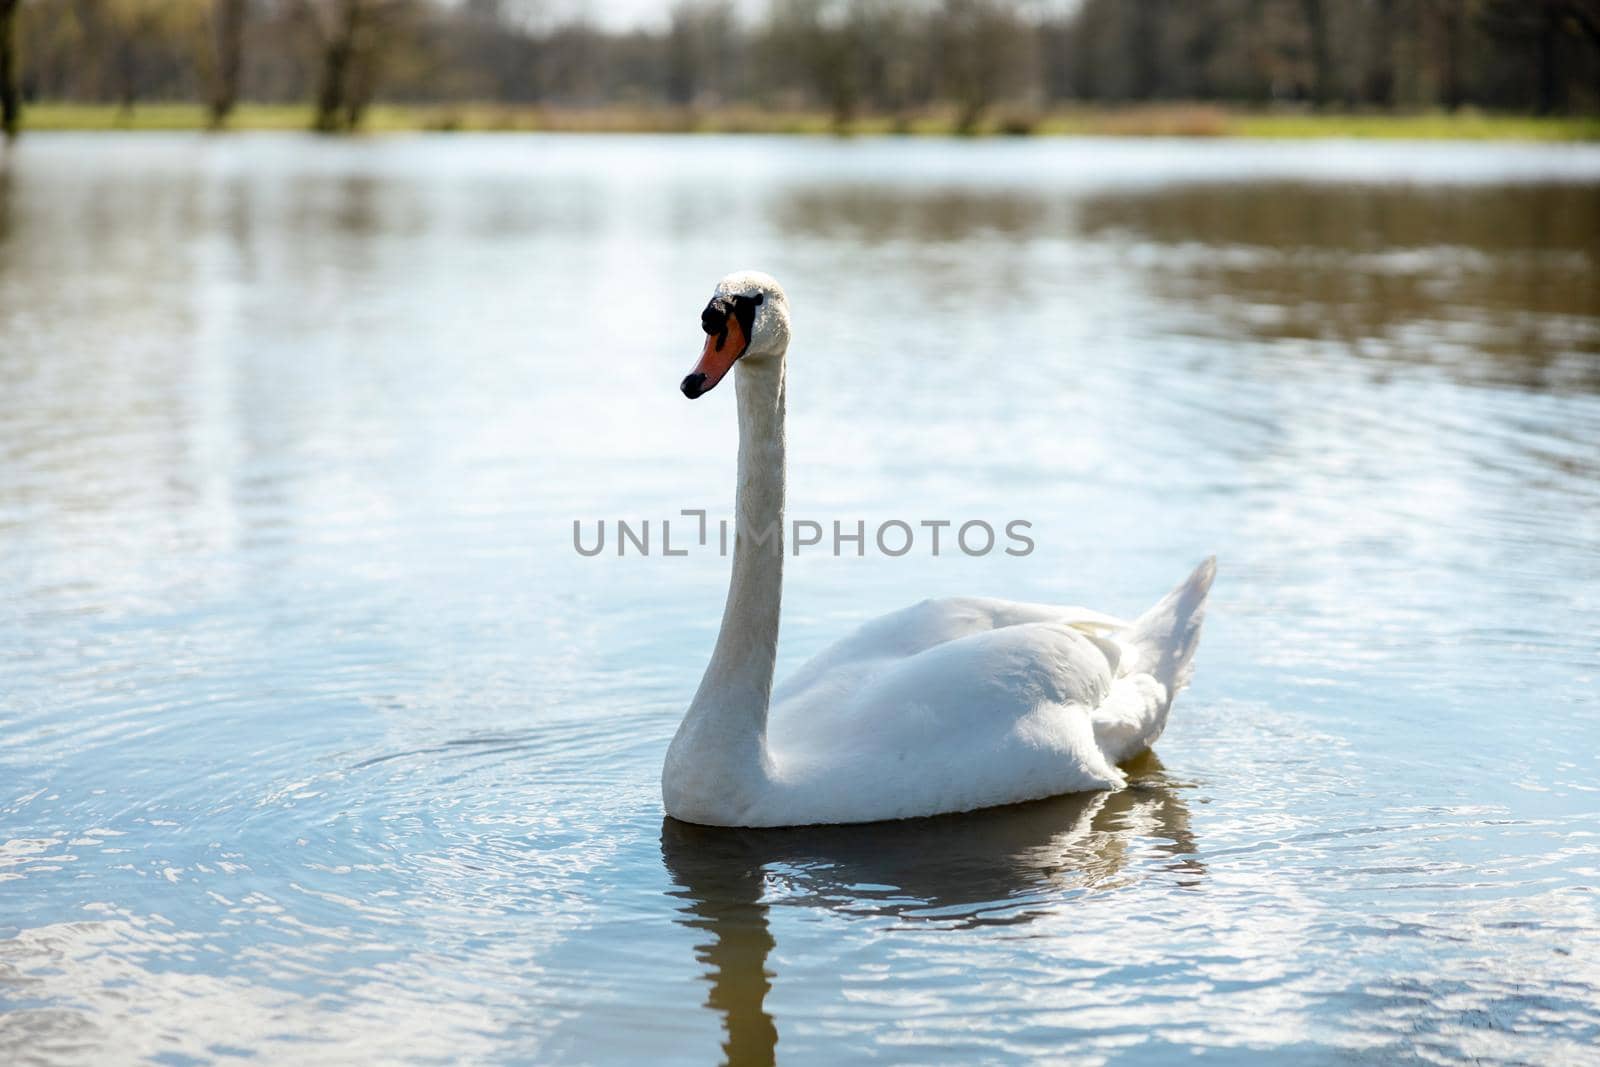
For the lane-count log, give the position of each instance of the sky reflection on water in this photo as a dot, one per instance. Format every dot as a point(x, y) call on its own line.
point(319, 742)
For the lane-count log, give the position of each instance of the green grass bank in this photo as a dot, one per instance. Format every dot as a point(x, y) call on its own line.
point(1157, 121)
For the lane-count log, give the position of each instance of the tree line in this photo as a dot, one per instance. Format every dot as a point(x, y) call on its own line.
point(847, 57)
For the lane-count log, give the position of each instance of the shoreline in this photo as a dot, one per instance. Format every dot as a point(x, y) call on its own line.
point(1177, 120)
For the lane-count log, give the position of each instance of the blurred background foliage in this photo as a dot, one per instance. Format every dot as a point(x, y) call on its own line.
point(965, 64)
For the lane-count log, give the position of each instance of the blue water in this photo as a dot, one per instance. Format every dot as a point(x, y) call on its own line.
point(319, 742)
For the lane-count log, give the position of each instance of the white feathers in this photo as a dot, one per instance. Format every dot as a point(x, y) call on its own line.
point(945, 706)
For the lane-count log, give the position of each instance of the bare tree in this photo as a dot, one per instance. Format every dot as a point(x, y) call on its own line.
point(361, 83)
point(1556, 39)
point(981, 56)
point(226, 55)
point(895, 67)
point(10, 94)
point(821, 38)
point(337, 26)
point(1380, 88)
point(1552, 95)
point(1321, 60)
point(353, 38)
point(147, 45)
point(1451, 15)
point(702, 51)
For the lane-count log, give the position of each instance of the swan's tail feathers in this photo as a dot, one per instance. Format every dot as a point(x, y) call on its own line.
point(1167, 635)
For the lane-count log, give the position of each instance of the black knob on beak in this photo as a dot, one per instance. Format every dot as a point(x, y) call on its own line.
point(693, 385)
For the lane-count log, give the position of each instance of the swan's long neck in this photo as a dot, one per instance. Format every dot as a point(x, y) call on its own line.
point(741, 665)
point(725, 727)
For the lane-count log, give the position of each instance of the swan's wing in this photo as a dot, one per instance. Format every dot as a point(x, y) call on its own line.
point(915, 629)
point(994, 717)
point(977, 682)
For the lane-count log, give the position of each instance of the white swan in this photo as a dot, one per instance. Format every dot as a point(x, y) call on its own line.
point(945, 706)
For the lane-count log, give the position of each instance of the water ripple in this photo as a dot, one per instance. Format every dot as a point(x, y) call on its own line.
point(318, 743)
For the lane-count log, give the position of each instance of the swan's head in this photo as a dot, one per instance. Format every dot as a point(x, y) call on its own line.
point(748, 319)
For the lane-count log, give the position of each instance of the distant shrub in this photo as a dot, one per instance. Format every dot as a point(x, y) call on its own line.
point(1018, 124)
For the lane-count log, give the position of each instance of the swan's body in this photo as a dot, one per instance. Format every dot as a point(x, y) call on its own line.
point(945, 706)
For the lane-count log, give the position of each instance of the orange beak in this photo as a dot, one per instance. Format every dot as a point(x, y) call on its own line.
point(722, 350)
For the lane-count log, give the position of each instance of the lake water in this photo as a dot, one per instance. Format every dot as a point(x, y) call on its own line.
point(319, 742)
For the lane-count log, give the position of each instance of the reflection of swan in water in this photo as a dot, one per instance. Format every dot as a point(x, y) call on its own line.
point(998, 866)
